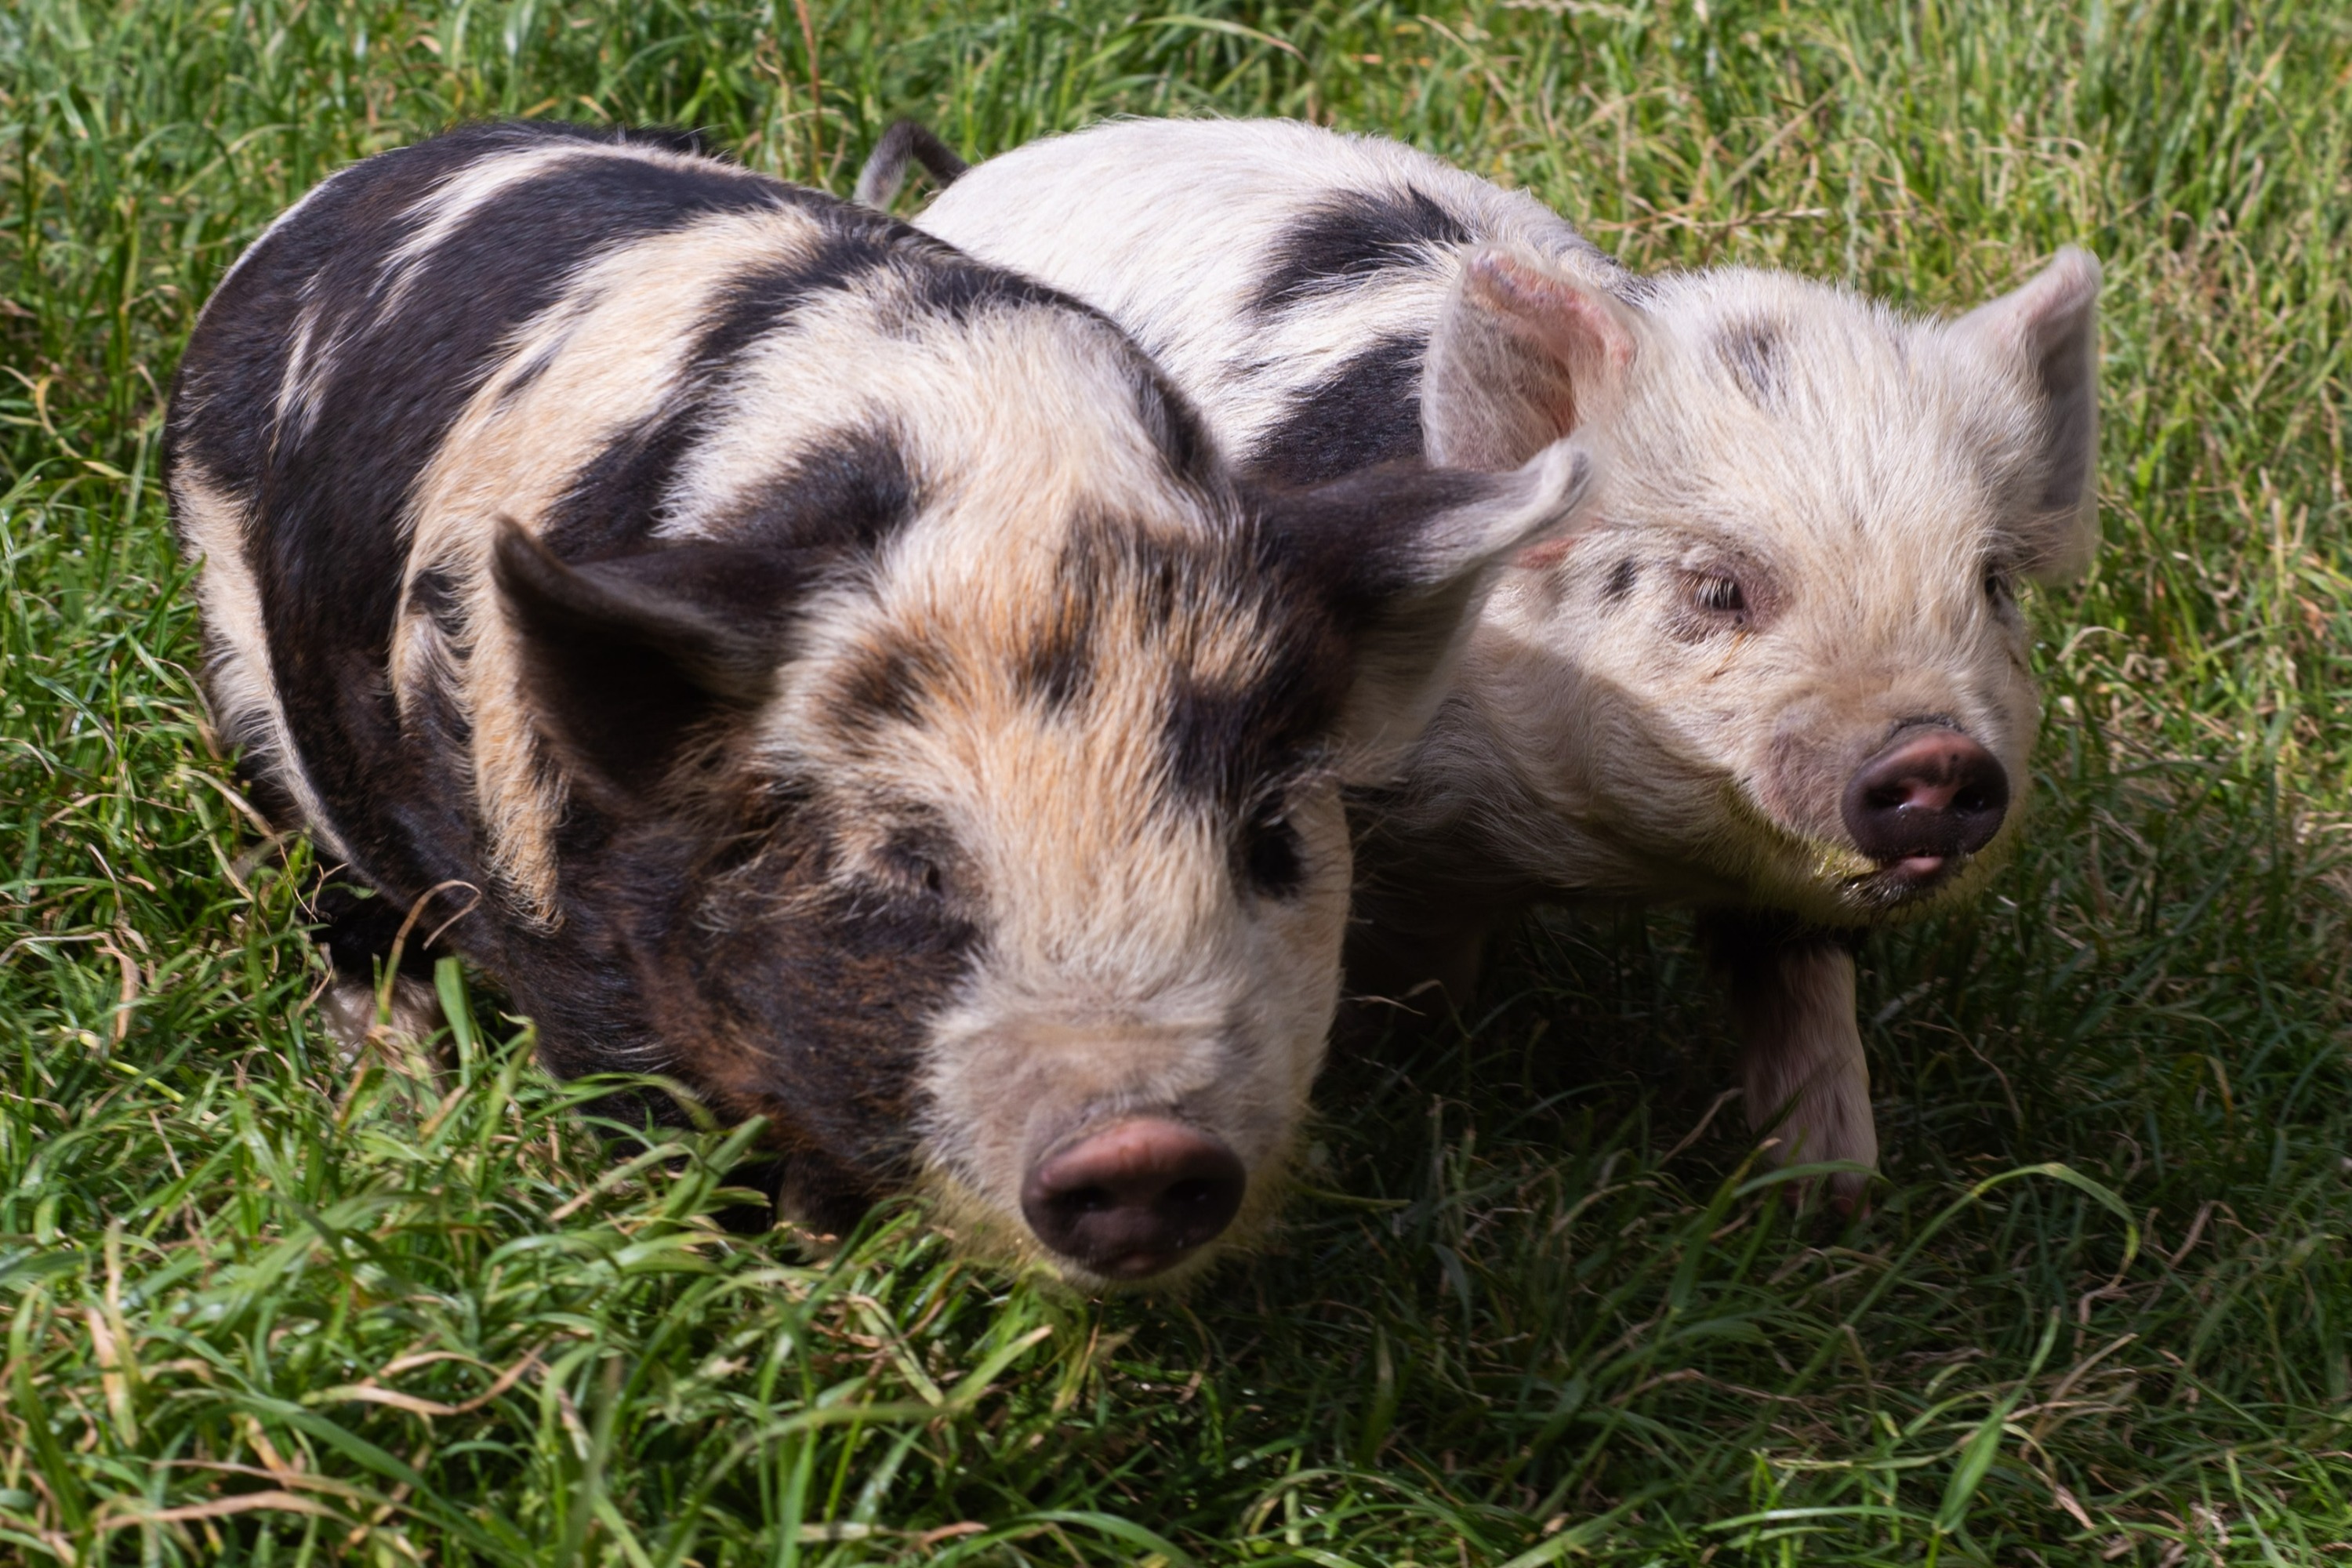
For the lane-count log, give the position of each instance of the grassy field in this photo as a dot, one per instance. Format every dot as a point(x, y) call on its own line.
point(258, 1308)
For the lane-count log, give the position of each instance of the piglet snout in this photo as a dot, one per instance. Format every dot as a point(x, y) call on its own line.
point(1134, 1198)
point(1931, 795)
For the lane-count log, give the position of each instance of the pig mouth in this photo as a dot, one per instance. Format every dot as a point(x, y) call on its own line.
point(1909, 881)
point(1916, 875)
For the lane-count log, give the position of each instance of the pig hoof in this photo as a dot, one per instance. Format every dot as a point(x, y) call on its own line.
point(1844, 1199)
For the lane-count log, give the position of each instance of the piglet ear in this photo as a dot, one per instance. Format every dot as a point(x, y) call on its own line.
point(2050, 329)
point(622, 658)
point(1522, 355)
point(1408, 554)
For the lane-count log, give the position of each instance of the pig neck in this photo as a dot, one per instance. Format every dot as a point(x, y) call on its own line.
point(1464, 846)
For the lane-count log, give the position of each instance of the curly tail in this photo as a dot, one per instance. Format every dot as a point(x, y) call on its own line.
point(886, 167)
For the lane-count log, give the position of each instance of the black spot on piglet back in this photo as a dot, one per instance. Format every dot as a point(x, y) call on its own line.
point(1751, 351)
point(1353, 236)
point(1366, 413)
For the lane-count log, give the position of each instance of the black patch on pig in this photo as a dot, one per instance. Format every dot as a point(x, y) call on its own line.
point(888, 683)
point(1231, 748)
point(1367, 413)
point(324, 540)
point(615, 498)
point(1751, 351)
point(816, 1018)
point(953, 289)
point(1354, 236)
point(1229, 741)
point(757, 301)
point(1619, 585)
point(853, 490)
point(1055, 670)
point(433, 596)
point(847, 496)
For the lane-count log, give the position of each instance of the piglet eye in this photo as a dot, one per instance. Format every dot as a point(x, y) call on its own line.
point(1720, 592)
point(1272, 860)
point(915, 868)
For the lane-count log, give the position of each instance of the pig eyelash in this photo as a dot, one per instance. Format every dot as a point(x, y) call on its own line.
point(1715, 599)
point(1719, 592)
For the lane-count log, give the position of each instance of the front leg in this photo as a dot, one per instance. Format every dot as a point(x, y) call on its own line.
point(1803, 1076)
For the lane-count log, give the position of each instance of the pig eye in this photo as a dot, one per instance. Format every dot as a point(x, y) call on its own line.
point(1996, 588)
point(1272, 861)
point(1720, 592)
point(915, 867)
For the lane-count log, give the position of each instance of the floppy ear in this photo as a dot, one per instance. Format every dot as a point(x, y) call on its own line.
point(1522, 355)
point(2052, 326)
point(620, 659)
point(1408, 554)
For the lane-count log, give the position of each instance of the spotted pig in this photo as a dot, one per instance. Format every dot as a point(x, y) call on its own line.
point(836, 675)
point(1784, 680)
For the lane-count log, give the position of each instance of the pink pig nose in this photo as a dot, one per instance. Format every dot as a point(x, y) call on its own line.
point(1134, 1198)
point(1931, 795)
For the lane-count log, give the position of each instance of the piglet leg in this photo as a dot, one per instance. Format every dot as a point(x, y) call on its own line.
point(1804, 1078)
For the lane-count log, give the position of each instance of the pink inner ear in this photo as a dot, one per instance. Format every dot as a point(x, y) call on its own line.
point(1567, 323)
point(1550, 553)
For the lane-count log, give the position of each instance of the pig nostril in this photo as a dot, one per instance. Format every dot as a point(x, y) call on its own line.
point(1932, 794)
point(1134, 1198)
point(1192, 1195)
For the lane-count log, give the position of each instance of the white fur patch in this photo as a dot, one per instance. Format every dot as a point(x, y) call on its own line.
point(238, 677)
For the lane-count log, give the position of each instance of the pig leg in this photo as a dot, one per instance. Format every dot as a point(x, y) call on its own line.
point(1804, 1075)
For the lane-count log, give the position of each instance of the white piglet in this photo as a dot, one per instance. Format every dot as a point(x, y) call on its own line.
point(1784, 680)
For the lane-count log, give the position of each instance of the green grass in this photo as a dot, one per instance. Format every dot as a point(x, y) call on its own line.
point(258, 1308)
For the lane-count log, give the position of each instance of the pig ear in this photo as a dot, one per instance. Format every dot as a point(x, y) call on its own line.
point(622, 658)
point(1410, 555)
point(2052, 327)
point(1522, 355)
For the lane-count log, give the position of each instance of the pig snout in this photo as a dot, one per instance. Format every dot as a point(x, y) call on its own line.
point(1930, 797)
point(1134, 1198)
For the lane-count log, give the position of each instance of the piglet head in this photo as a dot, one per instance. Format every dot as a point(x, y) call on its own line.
point(1786, 666)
